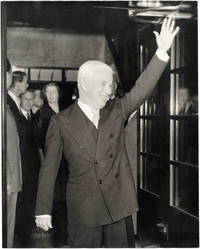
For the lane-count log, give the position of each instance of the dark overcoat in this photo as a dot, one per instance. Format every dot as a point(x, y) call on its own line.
point(100, 187)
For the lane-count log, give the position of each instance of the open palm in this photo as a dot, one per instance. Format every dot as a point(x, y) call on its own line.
point(168, 32)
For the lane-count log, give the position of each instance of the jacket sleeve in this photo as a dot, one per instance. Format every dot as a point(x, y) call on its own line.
point(143, 86)
point(49, 169)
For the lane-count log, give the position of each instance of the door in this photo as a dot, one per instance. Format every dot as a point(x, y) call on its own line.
point(168, 144)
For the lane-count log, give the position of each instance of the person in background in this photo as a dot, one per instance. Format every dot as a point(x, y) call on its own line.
point(30, 169)
point(38, 100)
point(13, 165)
point(51, 107)
point(101, 195)
point(18, 86)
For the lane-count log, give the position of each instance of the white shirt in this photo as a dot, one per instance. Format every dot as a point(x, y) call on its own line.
point(91, 113)
point(15, 98)
point(25, 113)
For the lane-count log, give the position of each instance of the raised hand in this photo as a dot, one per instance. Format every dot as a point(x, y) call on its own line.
point(168, 32)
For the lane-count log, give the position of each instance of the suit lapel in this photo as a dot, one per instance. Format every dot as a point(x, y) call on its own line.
point(81, 129)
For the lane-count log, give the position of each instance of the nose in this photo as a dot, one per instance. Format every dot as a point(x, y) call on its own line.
point(109, 89)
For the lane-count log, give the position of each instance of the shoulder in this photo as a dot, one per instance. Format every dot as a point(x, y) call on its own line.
point(44, 111)
point(65, 113)
point(113, 104)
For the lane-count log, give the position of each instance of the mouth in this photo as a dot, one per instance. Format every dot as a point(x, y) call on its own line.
point(106, 98)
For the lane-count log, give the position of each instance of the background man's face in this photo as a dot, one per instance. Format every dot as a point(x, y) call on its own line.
point(22, 86)
point(38, 101)
point(99, 87)
point(27, 100)
point(9, 79)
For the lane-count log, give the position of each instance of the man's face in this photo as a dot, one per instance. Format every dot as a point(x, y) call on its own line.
point(27, 100)
point(9, 79)
point(99, 87)
point(38, 101)
point(22, 86)
point(52, 94)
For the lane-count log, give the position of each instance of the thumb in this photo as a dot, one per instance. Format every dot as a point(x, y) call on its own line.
point(49, 224)
point(156, 34)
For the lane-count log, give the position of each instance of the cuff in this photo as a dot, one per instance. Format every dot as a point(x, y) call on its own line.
point(43, 215)
point(163, 56)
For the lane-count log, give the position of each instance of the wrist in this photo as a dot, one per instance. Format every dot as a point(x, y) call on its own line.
point(162, 54)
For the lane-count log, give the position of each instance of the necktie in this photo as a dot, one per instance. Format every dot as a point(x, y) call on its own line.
point(28, 116)
point(95, 118)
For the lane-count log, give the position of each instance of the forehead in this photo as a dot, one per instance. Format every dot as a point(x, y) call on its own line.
point(27, 95)
point(51, 89)
point(37, 92)
point(24, 78)
point(102, 74)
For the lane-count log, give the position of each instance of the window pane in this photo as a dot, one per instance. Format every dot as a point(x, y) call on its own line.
point(71, 75)
point(57, 75)
point(153, 136)
point(153, 103)
point(186, 189)
point(187, 149)
point(151, 176)
point(35, 74)
point(46, 74)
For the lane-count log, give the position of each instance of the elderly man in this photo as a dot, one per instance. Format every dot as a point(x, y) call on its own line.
point(101, 194)
point(30, 169)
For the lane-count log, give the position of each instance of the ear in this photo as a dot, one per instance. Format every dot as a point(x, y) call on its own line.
point(83, 83)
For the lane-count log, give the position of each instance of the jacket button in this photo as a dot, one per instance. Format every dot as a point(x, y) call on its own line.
point(116, 175)
point(110, 155)
point(81, 147)
point(96, 162)
point(111, 135)
point(100, 181)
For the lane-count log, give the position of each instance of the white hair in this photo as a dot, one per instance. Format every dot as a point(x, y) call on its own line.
point(89, 67)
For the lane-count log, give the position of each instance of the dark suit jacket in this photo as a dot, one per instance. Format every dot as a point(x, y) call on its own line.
point(30, 161)
point(41, 120)
point(100, 188)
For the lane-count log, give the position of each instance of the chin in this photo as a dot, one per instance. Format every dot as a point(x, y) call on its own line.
point(102, 105)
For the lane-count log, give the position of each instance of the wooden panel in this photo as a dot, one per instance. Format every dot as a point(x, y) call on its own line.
point(38, 47)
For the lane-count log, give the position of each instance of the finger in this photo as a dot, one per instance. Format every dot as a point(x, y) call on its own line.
point(156, 34)
point(45, 228)
point(171, 28)
point(168, 24)
point(163, 25)
point(175, 32)
point(49, 224)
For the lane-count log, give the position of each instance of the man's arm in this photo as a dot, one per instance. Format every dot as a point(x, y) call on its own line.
point(47, 176)
point(149, 78)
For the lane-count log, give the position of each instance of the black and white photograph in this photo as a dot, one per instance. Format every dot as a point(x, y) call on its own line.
point(99, 124)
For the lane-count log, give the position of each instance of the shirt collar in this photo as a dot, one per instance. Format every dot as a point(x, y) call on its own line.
point(86, 108)
point(15, 98)
point(25, 113)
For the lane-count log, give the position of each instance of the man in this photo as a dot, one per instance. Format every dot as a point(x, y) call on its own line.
point(18, 86)
point(13, 166)
point(30, 169)
point(101, 194)
point(38, 100)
